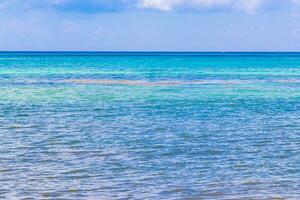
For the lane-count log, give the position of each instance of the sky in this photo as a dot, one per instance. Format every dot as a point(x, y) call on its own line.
point(149, 25)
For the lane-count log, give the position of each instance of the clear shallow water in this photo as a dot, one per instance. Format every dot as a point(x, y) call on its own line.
point(234, 136)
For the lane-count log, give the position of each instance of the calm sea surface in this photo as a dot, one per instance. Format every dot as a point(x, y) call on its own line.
point(149, 125)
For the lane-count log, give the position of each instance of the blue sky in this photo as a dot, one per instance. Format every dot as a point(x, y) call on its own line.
point(150, 25)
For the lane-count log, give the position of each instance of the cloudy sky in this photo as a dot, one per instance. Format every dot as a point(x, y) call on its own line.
point(150, 25)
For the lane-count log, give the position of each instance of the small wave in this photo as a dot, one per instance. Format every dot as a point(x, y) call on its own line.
point(155, 83)
point(150, 83)
point(287, 81)
point(17, 126)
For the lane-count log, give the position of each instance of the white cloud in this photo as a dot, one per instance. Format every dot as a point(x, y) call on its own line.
point(94, 6)
point(158, 4)
point(211, 5)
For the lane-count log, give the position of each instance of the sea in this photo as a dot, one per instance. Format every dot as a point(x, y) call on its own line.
point(150, 125)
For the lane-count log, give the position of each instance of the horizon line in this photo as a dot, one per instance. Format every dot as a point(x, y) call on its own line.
point(136, 51)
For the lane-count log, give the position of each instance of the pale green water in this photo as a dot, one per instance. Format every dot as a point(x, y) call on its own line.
point(234, 135)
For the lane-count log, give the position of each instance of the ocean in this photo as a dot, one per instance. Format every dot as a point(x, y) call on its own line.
point(149, 125)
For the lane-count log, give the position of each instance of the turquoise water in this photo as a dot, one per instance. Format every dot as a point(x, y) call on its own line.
point(149, 125)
